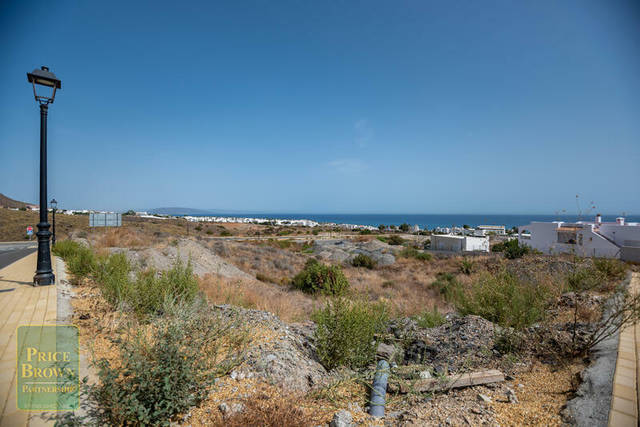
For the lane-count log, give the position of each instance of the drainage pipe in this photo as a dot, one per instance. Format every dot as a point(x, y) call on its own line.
point(379, 389)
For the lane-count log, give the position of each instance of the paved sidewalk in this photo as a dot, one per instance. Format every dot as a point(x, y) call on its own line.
point(20, 304)
point(624, 405)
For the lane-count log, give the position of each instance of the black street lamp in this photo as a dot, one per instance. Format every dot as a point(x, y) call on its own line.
point(54, 205)
point(43, 77)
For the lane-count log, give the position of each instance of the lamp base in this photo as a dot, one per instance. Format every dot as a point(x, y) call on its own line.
point(44, 279)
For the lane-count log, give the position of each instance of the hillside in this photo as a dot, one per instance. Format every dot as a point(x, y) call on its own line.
point(7, 202)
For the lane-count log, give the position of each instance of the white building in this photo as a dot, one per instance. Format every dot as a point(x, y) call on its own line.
point(499, 230)
point(593, 239)
point(452, 243)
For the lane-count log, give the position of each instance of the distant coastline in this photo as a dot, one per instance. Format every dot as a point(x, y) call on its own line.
point(428, 221)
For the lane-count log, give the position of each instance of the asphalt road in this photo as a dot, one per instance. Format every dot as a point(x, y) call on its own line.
point(11, 252)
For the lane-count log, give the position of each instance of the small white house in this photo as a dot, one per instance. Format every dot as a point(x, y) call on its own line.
point(452, 243)
point(499, 230)
point(592, 239)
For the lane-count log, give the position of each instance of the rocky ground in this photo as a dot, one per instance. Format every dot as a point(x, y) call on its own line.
point(343, 251)
point(280, 362)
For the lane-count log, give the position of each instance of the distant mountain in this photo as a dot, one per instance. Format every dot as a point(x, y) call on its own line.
point(182, 211)
point(7, 202)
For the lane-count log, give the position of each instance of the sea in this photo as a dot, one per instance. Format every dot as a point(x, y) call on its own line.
point(429, 221)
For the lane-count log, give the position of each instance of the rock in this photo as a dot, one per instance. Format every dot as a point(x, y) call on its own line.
point(288, 361)
point(459, 343)
point(484, 398)
point(385, 351)
point(341, 419)
point(393, 414)
point(511, 395)
point(425, 375)
point(343, 251)
point(228, 410)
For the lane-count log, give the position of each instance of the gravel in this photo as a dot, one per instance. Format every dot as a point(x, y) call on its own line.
point(203, 259)
point(343, 251)
point(284, 355)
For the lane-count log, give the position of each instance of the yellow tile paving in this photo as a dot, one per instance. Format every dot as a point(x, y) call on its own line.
point(624, 405)
point(20, 304)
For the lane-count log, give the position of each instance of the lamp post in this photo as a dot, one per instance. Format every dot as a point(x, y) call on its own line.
point(43, 77)
point(54, 205)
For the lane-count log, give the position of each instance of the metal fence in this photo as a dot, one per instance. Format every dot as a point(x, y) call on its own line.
point(105, 219)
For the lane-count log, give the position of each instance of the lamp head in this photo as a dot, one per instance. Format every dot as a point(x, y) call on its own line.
point(44, 77)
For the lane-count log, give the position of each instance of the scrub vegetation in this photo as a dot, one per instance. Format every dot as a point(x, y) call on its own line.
point(164, 327)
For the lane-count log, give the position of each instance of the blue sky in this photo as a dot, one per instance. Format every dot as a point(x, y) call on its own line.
point(301, 106)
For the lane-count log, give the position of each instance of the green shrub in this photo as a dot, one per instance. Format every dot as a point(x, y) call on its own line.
point(320, 278)
point(163, 374)
point(346, 332)
point(284, 244)
point(395, 240)
point(416, 254)
point(466, 266)
point(613, 269)
point(585, 278)
point(153, 290)
point(225, 233)
point(501, 298)
point(112, 275)
point(81, 263)
point(404, 227)
point(362, 260)
point(65, 248)
point(365, 232)
point(447, 285)
point(430, 318)
point(512, 249)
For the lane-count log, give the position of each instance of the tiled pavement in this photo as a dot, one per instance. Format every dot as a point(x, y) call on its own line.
point(624, 405)
point(20, 304)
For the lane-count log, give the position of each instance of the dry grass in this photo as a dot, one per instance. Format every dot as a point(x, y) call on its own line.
point(121, 237)
point(13, 224)
point(406, 285)
point(279, 410)
point(288, 304)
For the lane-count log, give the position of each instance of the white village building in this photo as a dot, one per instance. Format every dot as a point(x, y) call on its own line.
point(452, 243)
point(499, 230)
point(618, 239)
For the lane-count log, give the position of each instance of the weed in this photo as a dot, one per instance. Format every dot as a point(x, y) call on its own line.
point(466, 266)
point(503, 299)
point(585, 278)
point(395, 240)
point(163, 373)
point(430, 318)
point(511, 249)
point(112, 274)
point(154, 290)
point(415, 254)
point(346, 332)
point(320, 278)
point(613, 269)
point(262, 410)
point(362, 260)
point(447, 285)
point(80, 259)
